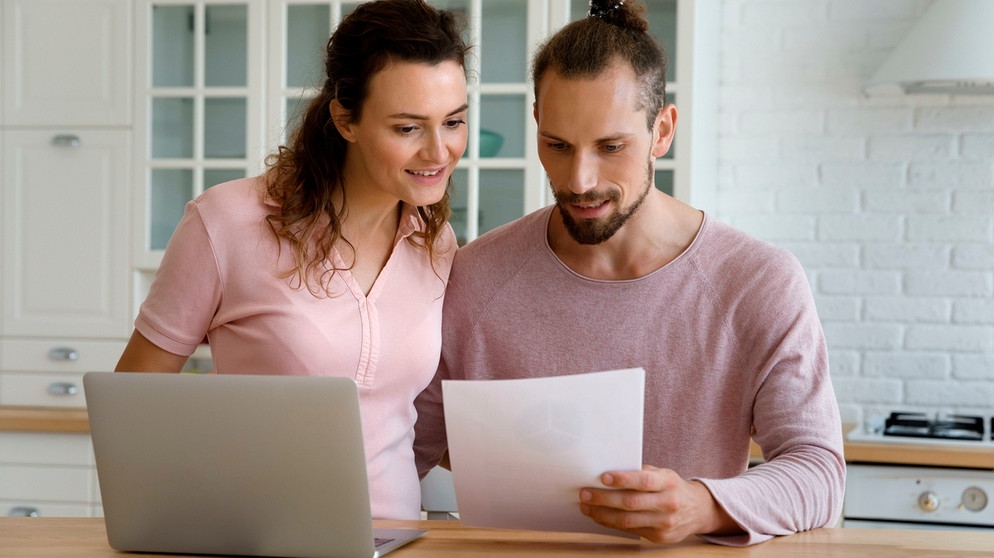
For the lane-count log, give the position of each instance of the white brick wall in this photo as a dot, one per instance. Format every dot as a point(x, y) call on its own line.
point(888, 202)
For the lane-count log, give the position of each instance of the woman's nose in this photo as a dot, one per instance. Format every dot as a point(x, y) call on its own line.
point(433, 148)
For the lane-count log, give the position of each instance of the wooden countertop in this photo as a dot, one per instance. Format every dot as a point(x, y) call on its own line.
point(920, 454)
point(38, 419)
point(980, 456)
point(34, 419)
point(86, 538)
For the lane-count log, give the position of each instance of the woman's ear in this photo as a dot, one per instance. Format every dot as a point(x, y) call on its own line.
point(664, 129)
point(342, 118)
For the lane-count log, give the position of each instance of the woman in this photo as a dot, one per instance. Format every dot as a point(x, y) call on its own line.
point(335, 260)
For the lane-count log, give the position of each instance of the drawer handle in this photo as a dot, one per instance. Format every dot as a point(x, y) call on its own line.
point(23, 511)
point(63, 353)
point(66, 140)
point(63, 388)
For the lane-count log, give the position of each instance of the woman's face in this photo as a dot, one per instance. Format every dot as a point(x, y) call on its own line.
point(411, 133)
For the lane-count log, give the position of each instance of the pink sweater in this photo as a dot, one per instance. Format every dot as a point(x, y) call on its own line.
point(728, 335)
point(218, 278)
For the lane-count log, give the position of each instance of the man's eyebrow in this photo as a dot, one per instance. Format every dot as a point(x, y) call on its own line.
point(605, 139)
point(412, 116)
point(614, 137)
point(547, 135)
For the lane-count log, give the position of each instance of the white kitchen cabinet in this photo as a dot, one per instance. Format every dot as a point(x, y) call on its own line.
point(65, 267)
point(66, 62)
point(65, 271)
point(48, 372)
point(2, 148)
point(48, 475)
point(65, 228)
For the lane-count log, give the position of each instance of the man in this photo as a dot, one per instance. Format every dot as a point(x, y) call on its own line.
point(617, 274)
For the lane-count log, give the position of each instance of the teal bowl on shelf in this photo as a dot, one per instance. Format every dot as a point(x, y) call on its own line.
point(490, 143)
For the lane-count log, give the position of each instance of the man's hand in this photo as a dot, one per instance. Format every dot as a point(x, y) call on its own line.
point(655, 504)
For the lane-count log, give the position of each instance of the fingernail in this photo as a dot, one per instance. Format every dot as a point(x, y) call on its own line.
point(607, 479)
point(585, 495)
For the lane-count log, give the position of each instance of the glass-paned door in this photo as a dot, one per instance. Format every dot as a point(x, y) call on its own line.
point(199, 107)
point(299, 32)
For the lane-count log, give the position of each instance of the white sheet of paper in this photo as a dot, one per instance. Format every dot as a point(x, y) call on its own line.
point(521, 450)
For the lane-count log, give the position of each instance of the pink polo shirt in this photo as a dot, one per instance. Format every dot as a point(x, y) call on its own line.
point(219, 279)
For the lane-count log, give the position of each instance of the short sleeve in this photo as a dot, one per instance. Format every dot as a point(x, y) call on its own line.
point(186, 291)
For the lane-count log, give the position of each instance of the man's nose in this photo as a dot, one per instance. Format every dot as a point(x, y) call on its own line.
point(583, 174)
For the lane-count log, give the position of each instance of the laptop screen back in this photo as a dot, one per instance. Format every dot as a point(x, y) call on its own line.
point(230, 464)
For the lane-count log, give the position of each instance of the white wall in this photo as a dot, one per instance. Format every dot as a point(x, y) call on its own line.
point(888, 203)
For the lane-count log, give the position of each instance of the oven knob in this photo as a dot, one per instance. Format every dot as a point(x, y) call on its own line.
point(974, 498)
point(928, 501)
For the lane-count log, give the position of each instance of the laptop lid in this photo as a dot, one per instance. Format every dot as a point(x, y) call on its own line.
point(233, 464)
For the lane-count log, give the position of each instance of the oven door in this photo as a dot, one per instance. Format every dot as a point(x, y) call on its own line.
point(898, 496)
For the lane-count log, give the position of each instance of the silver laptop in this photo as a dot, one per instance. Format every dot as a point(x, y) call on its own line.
point(233, 465)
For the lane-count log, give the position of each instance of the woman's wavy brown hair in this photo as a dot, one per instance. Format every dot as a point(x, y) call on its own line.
point(303, 175)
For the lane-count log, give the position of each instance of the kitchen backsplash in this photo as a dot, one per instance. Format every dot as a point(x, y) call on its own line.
point(887, 202)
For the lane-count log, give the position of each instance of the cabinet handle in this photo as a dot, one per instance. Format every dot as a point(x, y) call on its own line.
point(24, 511)
point(66, 140)
point(63, 388)
point(63, 353)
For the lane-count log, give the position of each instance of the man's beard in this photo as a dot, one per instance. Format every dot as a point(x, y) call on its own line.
point(589, 231)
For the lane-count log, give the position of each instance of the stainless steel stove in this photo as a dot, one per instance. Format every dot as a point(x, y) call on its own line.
point(923, 497)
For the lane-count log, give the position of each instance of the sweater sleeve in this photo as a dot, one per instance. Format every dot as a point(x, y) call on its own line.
point(796, 423)
point(430, 442)
point(429, 432)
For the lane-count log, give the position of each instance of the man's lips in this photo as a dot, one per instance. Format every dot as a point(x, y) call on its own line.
point(589, 209)
point(589, 205)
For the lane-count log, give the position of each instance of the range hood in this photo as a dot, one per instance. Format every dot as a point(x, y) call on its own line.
point(949, 50)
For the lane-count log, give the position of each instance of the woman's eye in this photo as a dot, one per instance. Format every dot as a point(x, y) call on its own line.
point(455, 123)
point(406, 130)
point(557, 146)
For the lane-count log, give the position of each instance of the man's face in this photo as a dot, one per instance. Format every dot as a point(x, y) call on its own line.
point(597, 150)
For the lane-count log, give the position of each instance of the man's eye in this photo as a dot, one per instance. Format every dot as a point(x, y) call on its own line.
point(612, 147)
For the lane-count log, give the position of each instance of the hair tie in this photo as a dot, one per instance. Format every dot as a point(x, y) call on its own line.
point(601, 9)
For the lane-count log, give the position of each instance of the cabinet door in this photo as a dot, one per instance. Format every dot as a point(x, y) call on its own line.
point(48, 474)
point(49, 372)
point(66, 62)
point(65, 228)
